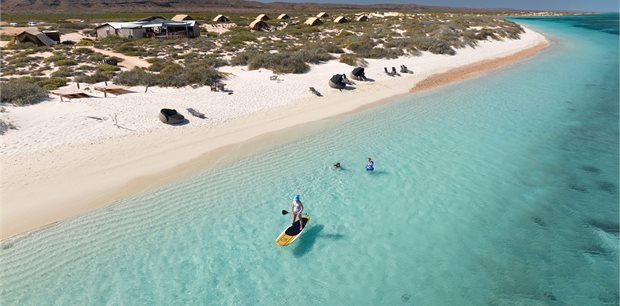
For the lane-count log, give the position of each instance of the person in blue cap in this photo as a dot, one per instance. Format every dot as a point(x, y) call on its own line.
point(370, 165)
point(296, 211)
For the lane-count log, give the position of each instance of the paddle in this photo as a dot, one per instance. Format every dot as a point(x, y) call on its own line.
point(284, 212)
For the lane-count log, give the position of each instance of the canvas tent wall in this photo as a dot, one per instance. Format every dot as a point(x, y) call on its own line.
point(361, 18)
point(53, 35)
point(121, 29)
point(322, 15)
point(284, 17)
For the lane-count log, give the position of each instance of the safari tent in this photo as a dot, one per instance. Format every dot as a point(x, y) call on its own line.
point(259, 25)
point(221, 18)
point(322, 15)
point(35, 37)
point(341, 19)
point(312, 21)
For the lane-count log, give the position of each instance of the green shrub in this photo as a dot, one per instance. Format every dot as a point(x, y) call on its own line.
point(21, 92)
point(66, 62)
point(52, 83)
point(83, 51)
point(203, 75)
point(353, 60)
point(238, 38)
point(84, 42)
point(108, 68)
point(331, 48)
point(172, 76)
point(243, 58)
point(432, 45)
point(172, 68)
point(94, 78)
point(157, 64)
point(279, 63)
point(63, 72)
point(54, 58)
point(136, 77)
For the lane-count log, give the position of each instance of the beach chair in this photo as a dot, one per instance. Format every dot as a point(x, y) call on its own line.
point(404, 69)
point(394, 71)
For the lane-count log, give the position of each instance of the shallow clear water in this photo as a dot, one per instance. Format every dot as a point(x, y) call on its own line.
point(502, 190)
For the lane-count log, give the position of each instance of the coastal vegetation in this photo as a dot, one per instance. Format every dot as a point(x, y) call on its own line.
point(22, 92)
point(287, 47)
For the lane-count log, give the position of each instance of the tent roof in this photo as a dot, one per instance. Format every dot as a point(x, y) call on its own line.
point(257, 22)
point(40, 36)
point(181, 17)
point(312, 20)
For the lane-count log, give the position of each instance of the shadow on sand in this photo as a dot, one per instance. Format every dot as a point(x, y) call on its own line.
point(308, 239)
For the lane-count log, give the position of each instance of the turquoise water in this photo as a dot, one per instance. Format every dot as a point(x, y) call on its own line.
point(501, 190)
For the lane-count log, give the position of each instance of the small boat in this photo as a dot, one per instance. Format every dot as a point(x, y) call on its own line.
point(170, 116)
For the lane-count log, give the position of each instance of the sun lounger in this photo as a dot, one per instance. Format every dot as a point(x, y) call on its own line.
point(394, 71)
point(387, 72)
point(316, 92)
point(196, 113)
point(404, 69)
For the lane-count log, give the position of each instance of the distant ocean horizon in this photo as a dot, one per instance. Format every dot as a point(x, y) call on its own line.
point(498, 190)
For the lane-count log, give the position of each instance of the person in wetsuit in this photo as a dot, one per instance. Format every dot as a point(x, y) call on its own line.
point(296, 211)
point(370, 165)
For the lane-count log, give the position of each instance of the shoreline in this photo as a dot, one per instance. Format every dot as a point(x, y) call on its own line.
point(475, 69)
point(34, 186)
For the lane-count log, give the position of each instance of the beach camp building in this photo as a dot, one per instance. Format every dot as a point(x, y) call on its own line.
point(284, 17)
point(262, 17)
point(157, 27)
point(182, 17)
point(322, 15)
point(221, 18)
point(361, 18)
point(312, 21)
point(341, 19)
point(259, 25)
point(35, 37)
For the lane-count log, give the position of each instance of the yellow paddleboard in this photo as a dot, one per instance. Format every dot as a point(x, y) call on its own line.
point(292, 232)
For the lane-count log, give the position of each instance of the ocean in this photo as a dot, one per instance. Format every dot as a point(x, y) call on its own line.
point(498, 190)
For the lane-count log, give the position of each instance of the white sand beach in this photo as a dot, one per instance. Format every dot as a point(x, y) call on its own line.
point(67, 158)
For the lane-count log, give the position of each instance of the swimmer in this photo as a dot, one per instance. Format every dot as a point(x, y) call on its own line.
point(370, 165)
